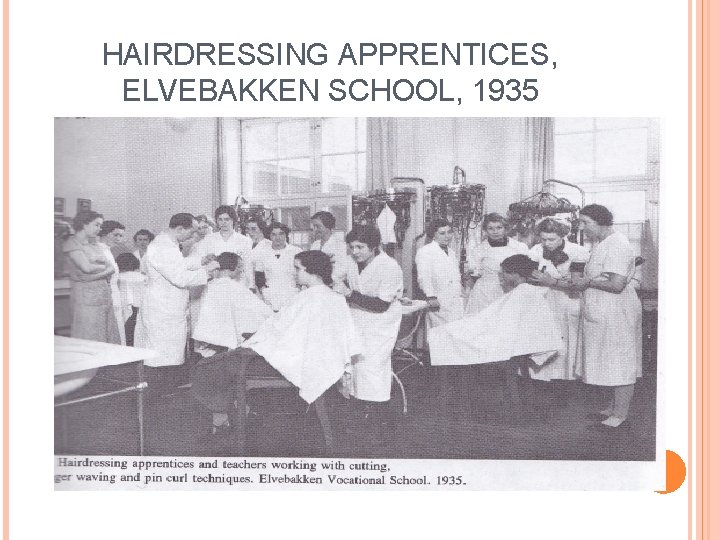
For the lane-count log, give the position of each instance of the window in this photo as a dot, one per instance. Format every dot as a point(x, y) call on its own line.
point(296, 167)
point(616, 161)
point(302, 156)
point(591, 149)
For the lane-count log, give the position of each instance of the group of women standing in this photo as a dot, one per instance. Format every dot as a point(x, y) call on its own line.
point(590, 292)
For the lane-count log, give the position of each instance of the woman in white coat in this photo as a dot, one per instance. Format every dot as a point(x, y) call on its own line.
point(484, 263)
point(611, 315)
point(162, 323)
point(438, 272)
point(276, 263)
point(374, 286)
point(558, 259)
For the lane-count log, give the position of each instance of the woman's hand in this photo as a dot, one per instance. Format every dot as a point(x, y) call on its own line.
point(341, 288)
point(543, 278)
point(580, 284)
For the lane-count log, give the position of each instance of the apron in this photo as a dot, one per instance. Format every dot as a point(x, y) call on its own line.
point(377, 332)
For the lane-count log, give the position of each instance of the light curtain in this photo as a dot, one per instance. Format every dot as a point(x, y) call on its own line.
point(540, 149)
point(218, 173)
point(381, 152)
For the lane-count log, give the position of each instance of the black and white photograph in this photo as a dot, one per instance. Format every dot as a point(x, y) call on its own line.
point(435, 288)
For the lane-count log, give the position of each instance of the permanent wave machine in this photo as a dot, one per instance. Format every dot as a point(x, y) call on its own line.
point(524, 215)
point(405, 199)
point(245, 211)
point(462, 204)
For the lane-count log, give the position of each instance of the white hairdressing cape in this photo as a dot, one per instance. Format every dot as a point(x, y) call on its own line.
point(228, 310)
point(162, 322)
point(521, 322)
point(310, 341)
point(382, 278)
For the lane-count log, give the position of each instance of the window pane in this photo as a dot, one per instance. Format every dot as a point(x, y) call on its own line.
point(259, 141)
point(574, 157)
point(338, 173)
point(625, 205)
point(619, 123)
point(338, 135)
point(295, 176)
point(361, 134)
point(295, 217)
point(362, 174)
point(569, 125)
point(294, 139)
point(261, 179)
point(342, 223)
point(622, 152)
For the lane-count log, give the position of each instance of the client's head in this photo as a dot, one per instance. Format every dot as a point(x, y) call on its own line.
point(313, 267)
point(515, 270)
point(127, 262)
point(228, 263)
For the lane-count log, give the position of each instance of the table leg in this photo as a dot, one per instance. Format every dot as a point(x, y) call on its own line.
point(141, 407)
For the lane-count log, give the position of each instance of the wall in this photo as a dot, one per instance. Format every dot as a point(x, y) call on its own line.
point(492, 151)
point(138, 171)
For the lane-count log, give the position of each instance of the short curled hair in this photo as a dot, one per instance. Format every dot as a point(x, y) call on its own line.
point(436, 224)
point(226, 209)
point(228, 261)
point(144, 232)
point(109, 226)
point(553, 225)
point(83, 218)
point(519, 264)
point(325, 217)
point(183, 219)
point(494, 217)
point(365, 234)
point(317, 263)
point(284, 228)
point(599, 214)
point(261, 225)
point(127, 262)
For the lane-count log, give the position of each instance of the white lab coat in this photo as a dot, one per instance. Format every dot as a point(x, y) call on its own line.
point(279, 268)
point(132, 288)
point(486, 261)
point(337, 249)
point(162, 322)
point(611, 324)
point(382, 278)
point(439, 276)
point(250, 268)
point(310, 342)
point(566, 308)
point(228, 310)
point(115, 292)
point(236, 243)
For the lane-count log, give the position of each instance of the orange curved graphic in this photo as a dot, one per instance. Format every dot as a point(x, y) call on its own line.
point(675, 472)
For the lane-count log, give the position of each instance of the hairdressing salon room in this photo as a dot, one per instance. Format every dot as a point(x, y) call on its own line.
point(410, 288)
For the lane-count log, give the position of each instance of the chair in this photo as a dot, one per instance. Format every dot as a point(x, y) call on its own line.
point(267, 379)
